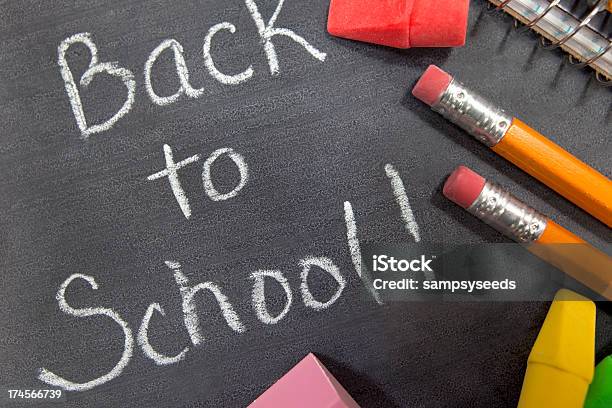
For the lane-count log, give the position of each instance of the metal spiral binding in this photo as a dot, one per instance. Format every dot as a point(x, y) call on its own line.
point(543, 14)
point(585, 21)
point(578, 60)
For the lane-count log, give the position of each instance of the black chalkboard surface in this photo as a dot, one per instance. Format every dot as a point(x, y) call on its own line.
point(289, 135)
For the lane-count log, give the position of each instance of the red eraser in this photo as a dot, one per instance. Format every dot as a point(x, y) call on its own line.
point(400, 23)
point(463, 186)
point(307, 385)
point(439, 23)
point(432, 85)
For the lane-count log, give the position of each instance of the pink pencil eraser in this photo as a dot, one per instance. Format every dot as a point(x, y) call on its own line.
point(400, 23)
point(307, 385)
point(432, 85)
point(463, 186)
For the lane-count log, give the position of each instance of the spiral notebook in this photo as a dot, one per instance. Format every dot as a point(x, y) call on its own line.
point(579, 28)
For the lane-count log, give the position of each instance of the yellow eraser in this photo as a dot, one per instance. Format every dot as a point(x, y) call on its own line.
point(562, 361)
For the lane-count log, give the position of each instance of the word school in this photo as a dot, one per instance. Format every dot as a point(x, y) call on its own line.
point(191, 319)
point(266, 33)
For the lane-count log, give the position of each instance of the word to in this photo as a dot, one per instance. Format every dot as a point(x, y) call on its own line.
point(171, 171)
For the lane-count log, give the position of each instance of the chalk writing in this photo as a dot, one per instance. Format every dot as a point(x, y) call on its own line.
point(147, 348)
point(192, 321)
point(355, 248)
point(191, 318)
point(181, 71)
point(57, 381)
point(210, 64)
point(259, 296)
point(266, 33)
point(207, 180)
point(192, 315)
point(399, 191)
point(95, 67)
point(171, 171)
point(328, 266)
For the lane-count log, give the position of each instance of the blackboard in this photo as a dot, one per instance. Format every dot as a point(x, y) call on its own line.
point(314, 135)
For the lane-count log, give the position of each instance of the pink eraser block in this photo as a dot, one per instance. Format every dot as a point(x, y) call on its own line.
point(463, 186)
point(400, 23)
point(431, 85)
point(307, 385)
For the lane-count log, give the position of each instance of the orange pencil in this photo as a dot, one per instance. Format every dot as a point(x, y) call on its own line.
point(544, 238)
point(518, 143)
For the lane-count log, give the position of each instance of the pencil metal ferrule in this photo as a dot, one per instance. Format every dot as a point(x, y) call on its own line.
point(507, 214)
point(473, 113)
